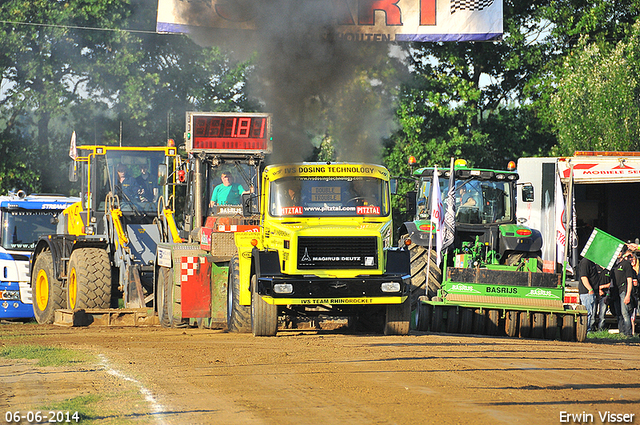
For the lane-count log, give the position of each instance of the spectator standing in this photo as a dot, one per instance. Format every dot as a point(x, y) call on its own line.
point(623, 279)
point(603, 298)
point(587, 284)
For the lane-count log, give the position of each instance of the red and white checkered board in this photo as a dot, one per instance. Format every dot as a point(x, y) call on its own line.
point(189, 265)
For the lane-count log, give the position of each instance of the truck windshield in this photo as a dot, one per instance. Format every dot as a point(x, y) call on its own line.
point(328, 197)
point(477, 201)
point(22, 229)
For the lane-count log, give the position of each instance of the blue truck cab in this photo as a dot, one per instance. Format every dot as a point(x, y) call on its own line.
point(24, 219)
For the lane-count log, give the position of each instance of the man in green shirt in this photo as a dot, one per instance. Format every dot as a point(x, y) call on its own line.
point(227, 193)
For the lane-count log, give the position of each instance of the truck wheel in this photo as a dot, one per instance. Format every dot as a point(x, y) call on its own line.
point(453, 320)
point(425, 311)
point(264, 316)
point(551, 330)
point(493, 322)
point(89, 279)
point(511, 323)
point(478, 321)
point(48, 295)
point(537, 328)
point(466, 321)
point(420, 256)
point(162, 293)
point(238, 316)
point(581, 324)
point(568, 328)
point(525, 324)
point(397, 318)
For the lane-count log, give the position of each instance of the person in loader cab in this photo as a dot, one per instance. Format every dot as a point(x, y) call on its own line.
point(125, 184)
point(228, 192)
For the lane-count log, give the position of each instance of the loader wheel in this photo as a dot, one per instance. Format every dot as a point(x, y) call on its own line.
point(537, 328)
point(238, 316)
point(425, 311)
point(89, 279)
point(568, 328)
point(493, 322)
point(581, 324)
point(478, 321)
point(48, 295)
point(525, 324)
point(397, 318)
point(466, 321)
point(420, 256)
point(551, 331)
point(511, 323)
point(264, 316)
point(163, 296)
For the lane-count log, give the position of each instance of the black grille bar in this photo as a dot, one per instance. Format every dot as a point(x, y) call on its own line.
point(356, 252)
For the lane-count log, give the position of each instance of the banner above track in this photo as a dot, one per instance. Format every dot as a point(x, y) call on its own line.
point(351, 20)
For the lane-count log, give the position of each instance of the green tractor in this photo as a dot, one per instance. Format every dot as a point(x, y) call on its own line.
point(490, 280)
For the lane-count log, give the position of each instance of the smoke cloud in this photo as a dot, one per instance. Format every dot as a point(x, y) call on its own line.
point(315, 85)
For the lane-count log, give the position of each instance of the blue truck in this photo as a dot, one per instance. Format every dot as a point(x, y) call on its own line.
point(24, 219)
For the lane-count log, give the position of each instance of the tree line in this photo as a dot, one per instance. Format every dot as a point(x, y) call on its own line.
point(564, 78)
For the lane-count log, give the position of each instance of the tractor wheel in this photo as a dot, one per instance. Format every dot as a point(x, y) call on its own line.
point(163, 296)
point(478, 321)
point(511, 323)
point(438, 318)
point(89, 279)
point(493, 322)
point(425, 311)
point(453, 320)
point(466, 321)
point(264, 316)
point(568, 328)
point(525, 324)
point(420, 256)
point(551, 330)
point(397, 318)
point(48, 295)
point(537, 327)
point(238, 316)
point(581, 324)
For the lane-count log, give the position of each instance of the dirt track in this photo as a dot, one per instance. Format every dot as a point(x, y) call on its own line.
point(308, 377)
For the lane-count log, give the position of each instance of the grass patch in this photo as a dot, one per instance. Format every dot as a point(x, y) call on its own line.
point(604, 335)
point(46, 356)
point(84, 406)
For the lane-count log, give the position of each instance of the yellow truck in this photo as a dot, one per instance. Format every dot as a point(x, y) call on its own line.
point(323, 247)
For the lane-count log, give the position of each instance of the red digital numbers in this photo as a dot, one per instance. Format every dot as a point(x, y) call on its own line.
point(227, 127)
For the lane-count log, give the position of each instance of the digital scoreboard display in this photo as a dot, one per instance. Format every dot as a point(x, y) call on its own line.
point(228, 132)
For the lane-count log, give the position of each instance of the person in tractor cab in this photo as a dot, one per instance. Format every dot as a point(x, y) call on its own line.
point(126, 185)
point(228, 192)
point(146, 184)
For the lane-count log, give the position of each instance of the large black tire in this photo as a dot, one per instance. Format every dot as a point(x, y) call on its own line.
point(537, 326)
point(48, 295)
point(568, 332)
point(493, 322)
point(89, 279)
point(479, 317)
point(581, 324)
point(438, 318)
point(424, 314)
point(453, 320)
point(525, 324)
point(466, 321)
point(163, 296)
point(264, 316)
point(551, 330)
point(238, 316)
point(420, 256)
point(511, 323)
point(397, 318)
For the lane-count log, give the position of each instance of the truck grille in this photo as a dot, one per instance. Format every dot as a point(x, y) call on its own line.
point(337, 252)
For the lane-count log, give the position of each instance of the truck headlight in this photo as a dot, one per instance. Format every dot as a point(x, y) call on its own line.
point(390, 287)
point(283, 288)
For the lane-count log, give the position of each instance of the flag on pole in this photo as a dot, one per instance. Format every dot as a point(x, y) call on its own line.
point(561, 231)
point(73, 152)
point(437, 219)
point(450, 214)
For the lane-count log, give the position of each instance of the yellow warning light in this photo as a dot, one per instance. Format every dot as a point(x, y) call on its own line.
point(511, 166)
point(412, 161)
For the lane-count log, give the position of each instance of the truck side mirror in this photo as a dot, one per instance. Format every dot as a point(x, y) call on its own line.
point(73, 172)
point(249, 204)
point(411, 202)
point(162, 174)
point(527, 192)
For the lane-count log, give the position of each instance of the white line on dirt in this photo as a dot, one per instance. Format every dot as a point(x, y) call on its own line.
point(156, 408)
